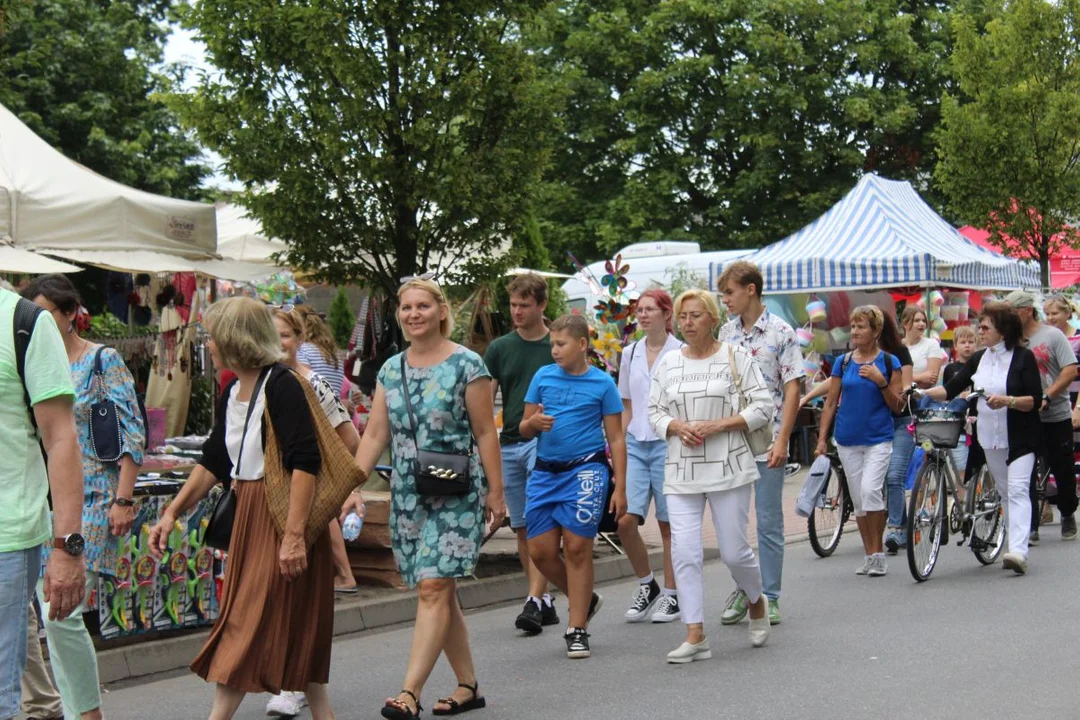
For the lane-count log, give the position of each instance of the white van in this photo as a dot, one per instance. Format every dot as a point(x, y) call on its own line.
point(651, 264)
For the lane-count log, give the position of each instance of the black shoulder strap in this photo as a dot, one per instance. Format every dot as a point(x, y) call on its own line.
point(251, 408)
point(408, 401)
point(26, 314)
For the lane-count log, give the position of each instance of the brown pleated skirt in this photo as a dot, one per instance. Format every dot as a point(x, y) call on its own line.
point(271, 635)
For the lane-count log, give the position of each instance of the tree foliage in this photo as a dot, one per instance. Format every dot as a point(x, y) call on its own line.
point(379, 139)
point(82, 75)
point(732, 122)
point(341, 318)
point(1010, 138)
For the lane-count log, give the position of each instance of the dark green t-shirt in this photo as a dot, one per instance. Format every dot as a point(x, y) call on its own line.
point(512, 362)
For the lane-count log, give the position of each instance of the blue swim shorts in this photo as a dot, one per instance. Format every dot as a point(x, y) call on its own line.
point(571, 499)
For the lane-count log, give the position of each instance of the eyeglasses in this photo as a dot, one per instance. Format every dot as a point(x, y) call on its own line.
point(284, 307)
point(421, 276)
point(647, 310)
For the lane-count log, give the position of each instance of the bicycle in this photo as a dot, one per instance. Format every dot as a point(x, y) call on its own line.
point(981, 520)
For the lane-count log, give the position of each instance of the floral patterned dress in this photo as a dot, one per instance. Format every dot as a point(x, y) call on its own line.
point(433, 537)
point(103, 479)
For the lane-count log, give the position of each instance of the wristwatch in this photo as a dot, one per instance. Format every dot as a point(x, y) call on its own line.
point(124, 502)
point(72, 544)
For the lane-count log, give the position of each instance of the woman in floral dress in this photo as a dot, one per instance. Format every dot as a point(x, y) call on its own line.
point(435, 539)
point(107, 496)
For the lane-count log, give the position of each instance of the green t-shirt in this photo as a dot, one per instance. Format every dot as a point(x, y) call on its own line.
point(512, 362)
point(24, 484)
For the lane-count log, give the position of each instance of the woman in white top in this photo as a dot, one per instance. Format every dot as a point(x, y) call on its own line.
point(926, 357)
point(694, 403)
point(646, 455)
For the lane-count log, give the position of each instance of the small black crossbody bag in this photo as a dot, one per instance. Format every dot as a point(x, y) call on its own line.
point(437, 473)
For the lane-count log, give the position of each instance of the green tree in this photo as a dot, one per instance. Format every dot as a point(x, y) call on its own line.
point(1010, 138)
point(378, 139)
point(341, 318)
point(733, 123)
point(85, 75)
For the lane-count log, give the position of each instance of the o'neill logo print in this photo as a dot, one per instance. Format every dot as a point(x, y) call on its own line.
point(589, 496)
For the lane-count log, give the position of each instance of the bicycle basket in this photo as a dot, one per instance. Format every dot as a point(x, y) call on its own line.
point(941, 428)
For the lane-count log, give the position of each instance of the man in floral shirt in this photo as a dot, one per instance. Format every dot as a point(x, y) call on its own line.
point(772, 343)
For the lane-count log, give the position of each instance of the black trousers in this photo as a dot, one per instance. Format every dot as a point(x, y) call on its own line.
point(1058, 439)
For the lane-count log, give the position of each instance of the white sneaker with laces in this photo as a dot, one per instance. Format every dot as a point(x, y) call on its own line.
point(667, 609)
point(879, 567)
point(287, 704)
point(865, 567)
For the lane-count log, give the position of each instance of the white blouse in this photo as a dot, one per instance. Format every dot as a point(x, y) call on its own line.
point(251, 462)
point(991, 376)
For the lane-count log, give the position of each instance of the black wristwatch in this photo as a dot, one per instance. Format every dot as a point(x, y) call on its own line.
point(72, 544)
point(124, 502)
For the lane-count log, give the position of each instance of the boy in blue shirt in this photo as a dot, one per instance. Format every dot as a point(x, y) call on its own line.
point(572, 406)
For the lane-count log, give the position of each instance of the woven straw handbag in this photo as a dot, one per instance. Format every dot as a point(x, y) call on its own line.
point(338, 474)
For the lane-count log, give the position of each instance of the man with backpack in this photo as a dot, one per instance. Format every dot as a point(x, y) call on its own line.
point(35, 391)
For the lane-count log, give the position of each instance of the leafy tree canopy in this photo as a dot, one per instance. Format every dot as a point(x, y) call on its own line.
point(1010, 137)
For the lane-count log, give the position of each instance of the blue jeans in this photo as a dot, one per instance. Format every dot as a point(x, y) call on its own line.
point(518, 461)
point(903, 447)
point(769, 505)
point(19, 572)
point(645, 477)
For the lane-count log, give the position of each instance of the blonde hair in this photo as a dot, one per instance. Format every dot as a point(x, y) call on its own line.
point(873, 316)
point(244, 333)
point(290, 318)
point(964, 331)
point(446, 326)
point(316, 332)
point(1061, 302)
point(574, 325)
point(702, 296)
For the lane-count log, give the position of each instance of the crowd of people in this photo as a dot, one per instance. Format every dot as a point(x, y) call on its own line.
point(701, 421)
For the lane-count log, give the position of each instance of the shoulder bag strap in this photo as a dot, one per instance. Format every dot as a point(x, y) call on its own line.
point(251, 408)
point(408, 400)
point(734, 370)
point(96, 372)
point(25, 317)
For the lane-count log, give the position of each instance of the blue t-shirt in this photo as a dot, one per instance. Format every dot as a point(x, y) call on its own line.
point(578, 403)
point(863, 417)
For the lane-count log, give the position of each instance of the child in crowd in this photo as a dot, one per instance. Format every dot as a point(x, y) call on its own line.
point(572, 406)
point(965, 343)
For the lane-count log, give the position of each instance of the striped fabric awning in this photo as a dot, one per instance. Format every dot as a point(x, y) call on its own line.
point(882, 235)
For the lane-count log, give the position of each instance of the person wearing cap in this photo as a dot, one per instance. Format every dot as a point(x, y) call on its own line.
point(1057, 370)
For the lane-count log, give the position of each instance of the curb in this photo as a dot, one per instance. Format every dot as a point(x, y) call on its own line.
point(164, 655)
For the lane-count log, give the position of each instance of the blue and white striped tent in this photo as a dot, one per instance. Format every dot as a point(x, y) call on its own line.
point(882, 235)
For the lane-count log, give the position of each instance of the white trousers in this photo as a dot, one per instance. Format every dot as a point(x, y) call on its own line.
point(730, 514)
point(865, 467)
point(1013, 483)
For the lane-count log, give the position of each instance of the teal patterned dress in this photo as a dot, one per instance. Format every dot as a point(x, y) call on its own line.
point(433, 537)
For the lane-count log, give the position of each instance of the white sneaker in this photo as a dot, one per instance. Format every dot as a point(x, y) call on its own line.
point(689, 652)
point(759, 630)
point(667, 609)
point(287, 704)
point(865, 567)
point(879, 567)
point(1015, 562)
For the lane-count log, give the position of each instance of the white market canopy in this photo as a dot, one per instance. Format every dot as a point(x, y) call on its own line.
point(883, 235)
point(24, 262)
point(51, 204)
point(241, 237)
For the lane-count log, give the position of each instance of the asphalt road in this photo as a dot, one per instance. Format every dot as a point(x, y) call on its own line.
point(973, 642)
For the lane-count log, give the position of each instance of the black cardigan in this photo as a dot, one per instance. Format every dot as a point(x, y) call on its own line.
point(1024, 428)
point(290, 415)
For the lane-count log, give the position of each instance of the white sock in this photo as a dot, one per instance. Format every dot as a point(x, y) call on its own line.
point(670, 592)
point(645, 580)
point(548, 600)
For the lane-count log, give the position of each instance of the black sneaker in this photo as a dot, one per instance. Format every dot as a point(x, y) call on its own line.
point(1068, 527)
point(531, 619)
point(548, 616)
point(645, 596)
point(1033, 538)
point(595, 605)
point(577, 643)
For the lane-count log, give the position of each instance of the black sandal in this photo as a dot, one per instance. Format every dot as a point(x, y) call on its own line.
point(403, 712)
point(475, 703)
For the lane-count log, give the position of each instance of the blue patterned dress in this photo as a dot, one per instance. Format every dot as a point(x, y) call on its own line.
point(103, 479)
point(433, 537)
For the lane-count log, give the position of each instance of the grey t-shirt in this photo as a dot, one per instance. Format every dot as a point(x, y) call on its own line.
point(1052, 353)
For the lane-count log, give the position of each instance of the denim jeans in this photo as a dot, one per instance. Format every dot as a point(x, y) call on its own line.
point(19, 572)
point(645, 477)
point(518, 461)
point(769, 507)
point(903, 447)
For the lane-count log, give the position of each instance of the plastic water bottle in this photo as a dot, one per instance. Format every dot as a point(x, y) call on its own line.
point(350, 529)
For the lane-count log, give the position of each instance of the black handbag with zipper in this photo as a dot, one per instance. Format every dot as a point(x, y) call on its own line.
point(437, 473)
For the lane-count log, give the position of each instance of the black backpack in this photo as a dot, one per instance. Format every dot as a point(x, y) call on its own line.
point(26, 315)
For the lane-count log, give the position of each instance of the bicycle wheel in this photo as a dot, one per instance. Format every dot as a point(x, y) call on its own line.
point(826, 522)
point(988, 528)
point(926, 518)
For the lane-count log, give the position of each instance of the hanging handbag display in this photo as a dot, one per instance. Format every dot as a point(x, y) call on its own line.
point(437, 473)
point(338, 474)
point(219, 528)
point(106, 436)
point(759, 441)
